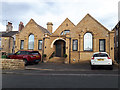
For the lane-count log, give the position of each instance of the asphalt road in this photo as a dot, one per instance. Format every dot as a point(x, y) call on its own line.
point(59, 81)
point(60, 77)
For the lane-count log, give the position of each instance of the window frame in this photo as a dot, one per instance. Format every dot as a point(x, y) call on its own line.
point(117, 32)
point(104, 45)
point(63, 32)
point(73, 44)
point(84, 42)
point(39, 44)
point(33, 42)
point(21, 44)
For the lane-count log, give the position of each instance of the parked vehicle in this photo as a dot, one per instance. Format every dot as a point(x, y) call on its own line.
point(27, 56)
point(101, 59)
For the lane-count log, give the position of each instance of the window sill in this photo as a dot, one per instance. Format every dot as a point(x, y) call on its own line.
point(87, 51)
point(74, 50)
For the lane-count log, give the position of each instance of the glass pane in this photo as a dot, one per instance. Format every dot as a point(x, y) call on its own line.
point(40, 44)
point(22, 53)
point(34, 53)
point(22, 44)
point(31, 42)
point(100, 55)
point(116, 32)
point(18, 53)
point(101, 45)
point(65, 32)
point(88, 42)
point(75, 46)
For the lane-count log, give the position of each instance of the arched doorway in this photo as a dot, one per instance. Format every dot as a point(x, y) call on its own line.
point(59, 48)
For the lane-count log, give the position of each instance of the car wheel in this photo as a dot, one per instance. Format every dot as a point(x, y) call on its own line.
point(111, 67)
point(36, 62)
point(26, 62)
point(92, 67)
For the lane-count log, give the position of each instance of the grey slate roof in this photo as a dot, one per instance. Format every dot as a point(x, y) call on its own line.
point(41, 28)
point(8, 34)
point(44, 29)
point(2, 33)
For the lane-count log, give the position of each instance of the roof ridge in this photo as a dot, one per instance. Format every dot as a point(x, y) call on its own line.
point(44, 28)
point(94, 20)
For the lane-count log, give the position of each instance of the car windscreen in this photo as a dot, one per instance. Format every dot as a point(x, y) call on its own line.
point(34, 53)
point(100, 55)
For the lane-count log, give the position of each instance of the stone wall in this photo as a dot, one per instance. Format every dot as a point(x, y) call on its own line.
point(12, 64)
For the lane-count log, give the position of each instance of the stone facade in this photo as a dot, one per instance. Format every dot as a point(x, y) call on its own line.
point(7, 44)
point(7, 40)
point(117, 41)
point(31, 28)
point(68, 39)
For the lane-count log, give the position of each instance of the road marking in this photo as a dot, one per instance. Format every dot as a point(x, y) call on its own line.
point(53, 74)
point(89, 75)
point(37, 69)
point(63, 69)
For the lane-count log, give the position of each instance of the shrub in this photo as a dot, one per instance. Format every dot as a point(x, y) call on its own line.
point(44, 55)
point(65, 55)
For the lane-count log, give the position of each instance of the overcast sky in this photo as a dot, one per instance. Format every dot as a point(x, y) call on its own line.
point(56, 11)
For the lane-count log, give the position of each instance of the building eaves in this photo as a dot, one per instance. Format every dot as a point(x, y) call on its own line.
point(44, 29)
point(9, 34)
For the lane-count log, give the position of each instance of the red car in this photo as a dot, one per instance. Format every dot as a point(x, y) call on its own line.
point(27, 56)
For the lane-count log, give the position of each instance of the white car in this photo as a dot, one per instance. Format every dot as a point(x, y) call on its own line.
point(101, 59)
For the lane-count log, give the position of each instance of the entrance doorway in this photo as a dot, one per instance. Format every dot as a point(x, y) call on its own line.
point(59, 48)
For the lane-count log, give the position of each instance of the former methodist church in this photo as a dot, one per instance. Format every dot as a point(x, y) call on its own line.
point(78, 42)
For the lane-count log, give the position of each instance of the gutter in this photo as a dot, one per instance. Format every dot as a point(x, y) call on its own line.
point(43, 48)
point(70, 50)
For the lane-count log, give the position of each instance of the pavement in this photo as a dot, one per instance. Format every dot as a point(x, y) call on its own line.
point(83, 68)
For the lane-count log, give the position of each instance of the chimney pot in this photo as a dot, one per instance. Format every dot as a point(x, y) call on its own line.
point(21, 26)
point(9, 27)
point(50, 26)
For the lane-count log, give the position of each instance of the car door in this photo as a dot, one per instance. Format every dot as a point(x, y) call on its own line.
point(19, 55)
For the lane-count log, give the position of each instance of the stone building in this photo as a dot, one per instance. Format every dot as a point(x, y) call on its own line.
point(8, 38)
point(78, 42)
point(117, 41)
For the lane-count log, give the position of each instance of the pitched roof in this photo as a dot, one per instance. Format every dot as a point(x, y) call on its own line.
point(65, 21)
point(44, 29)
point(8, 34)
point(88, 15)
point(41, 28)
point(2, 33)
point(116, 26)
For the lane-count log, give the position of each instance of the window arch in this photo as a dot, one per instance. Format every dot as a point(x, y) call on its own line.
point(65, 32)
point(88, 42)
point(31, 41)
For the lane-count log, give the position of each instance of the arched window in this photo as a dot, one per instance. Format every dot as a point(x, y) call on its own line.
point(88, 42)
point(65, 32)
point(31, 42)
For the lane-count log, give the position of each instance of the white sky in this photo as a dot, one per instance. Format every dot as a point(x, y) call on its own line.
point(56, 11)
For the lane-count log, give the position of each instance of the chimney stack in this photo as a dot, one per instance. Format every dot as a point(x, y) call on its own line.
point(49, 27)
point(21, 26)
point(9, 27)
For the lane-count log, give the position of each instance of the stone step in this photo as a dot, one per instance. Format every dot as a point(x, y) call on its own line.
point(57, 60)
